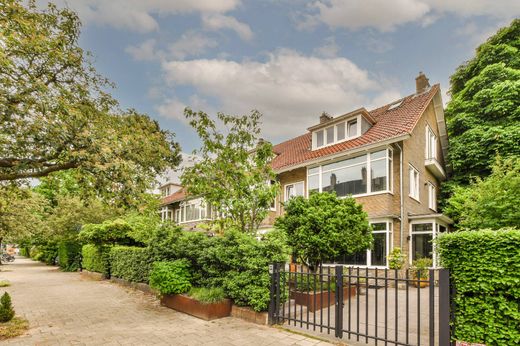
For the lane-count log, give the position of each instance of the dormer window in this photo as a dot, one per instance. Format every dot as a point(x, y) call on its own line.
point(336, 133)
point(330, 135)
point(340, 131)
point(319, 138)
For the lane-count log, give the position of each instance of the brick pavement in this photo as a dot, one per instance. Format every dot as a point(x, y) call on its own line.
point(66, 309)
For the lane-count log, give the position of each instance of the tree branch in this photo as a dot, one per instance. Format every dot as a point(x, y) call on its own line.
point(41, 173)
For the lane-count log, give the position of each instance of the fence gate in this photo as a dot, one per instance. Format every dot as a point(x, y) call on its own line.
point(369, 306)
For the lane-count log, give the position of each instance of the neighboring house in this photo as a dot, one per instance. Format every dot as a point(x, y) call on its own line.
point(391, 159)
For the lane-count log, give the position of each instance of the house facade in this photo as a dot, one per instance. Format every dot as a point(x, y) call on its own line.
point(390, 159)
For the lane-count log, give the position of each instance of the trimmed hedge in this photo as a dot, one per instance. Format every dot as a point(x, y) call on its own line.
point(96, 259)
point(69, 255)
point(485, 269)
point(130, 263)
point(47, 253)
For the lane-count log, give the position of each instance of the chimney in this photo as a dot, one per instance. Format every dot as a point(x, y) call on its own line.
point(421, 83)
point(324, 117)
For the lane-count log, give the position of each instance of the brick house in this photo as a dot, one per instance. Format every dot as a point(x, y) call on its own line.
point(390, 159)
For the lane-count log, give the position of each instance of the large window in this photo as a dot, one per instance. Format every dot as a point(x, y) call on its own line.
point(191, 211)
point(369, 173)
point(377, 257)
point(293, 190)
point(422, 237)
point(414, 182)
point(431, 143)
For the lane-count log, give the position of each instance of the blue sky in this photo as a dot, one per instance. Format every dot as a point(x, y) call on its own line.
point(289, 59)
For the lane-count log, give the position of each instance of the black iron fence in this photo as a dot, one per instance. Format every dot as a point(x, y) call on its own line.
point(376, 306)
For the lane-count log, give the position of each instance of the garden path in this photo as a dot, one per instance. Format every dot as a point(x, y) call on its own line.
point(67, 309)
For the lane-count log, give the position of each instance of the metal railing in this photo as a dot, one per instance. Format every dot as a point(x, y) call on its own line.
point(376, 306)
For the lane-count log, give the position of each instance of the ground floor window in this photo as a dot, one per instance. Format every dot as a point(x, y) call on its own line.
point(377, 257)
point(194, 210)
point(423, 235)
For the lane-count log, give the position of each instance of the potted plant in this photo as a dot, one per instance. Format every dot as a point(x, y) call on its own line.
point(420, 271)
point(172, 281)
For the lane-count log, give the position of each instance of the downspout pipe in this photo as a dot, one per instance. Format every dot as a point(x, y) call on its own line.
point(401, 196)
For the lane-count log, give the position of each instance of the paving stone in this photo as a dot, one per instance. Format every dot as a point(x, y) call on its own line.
point(67, 309)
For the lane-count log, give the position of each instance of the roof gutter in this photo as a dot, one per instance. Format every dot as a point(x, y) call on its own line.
point(360, 149)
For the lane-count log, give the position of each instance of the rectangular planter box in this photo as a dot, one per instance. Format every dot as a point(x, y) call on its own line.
point(195, 308)
point(320, 299)
point(249, 315)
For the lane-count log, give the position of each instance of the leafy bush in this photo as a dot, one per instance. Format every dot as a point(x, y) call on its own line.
point(96, 259)
point(312, 282)
point(207, 295)
point(6, 308)
point(324, 226)
point(171, 277)
point(420, 268)
point(396, 259)
point(485, 269)
point(130, 263)
point(69, 255)
point(47, 253)
point(108, 232)
point(24, 251)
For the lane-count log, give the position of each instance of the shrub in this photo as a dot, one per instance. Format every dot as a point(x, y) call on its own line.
point(312, 282)
point(485, 269)
point(69, 255)
point(6, 308)
point(396, 259)
point(207, 295)
point(108, 232)
point(96, 259)
point(420, 268)
point(25, 251)
point(130, 263)
point(47, 253)
point(171, 277)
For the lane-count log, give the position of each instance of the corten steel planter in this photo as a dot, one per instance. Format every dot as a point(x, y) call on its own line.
point(320, 299)
point(190, 306)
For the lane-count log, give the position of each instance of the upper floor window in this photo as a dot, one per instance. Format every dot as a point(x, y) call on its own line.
point(293, 190)
point(414, 182)
point(432, 196)
point(369, 173)
point(431, 143)
point(336, 133)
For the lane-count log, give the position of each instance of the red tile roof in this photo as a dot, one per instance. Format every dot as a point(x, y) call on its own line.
point(389, 123)
point(177, 196)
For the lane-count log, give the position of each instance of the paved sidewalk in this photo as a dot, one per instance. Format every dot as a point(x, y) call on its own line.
point(65, 309)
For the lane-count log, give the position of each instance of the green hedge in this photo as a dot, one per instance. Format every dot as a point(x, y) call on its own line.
point(171, 277)
point(47, 253)
point(69, 255)
point(485, 268)
point(130, 263)
point(96, 259)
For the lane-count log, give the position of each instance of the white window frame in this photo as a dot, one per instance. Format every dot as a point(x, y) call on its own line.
point(285, 197)
point(199, 204)
point(435, 233)
point(432, 196)
point(334, 126)
point(389, 173)
point(414, 185)
point(431, 143)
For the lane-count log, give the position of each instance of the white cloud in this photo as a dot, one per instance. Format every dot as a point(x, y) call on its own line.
point(173, 108)
point(290, 89)
point(191, 44)
point(329, 49)
point(138, 15)
point(219, 21)
point(387, 15)
point(146, 51)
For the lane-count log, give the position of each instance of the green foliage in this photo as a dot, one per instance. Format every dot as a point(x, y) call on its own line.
point(69, 255)
point(492, 202)
point(420, 267)
point(396, 258)
point(312, 282)
point(4, 283)
point(108, 232)
point(96, 259)
point(46, 253)
point(324, 226)
point(207, 295)
point(56, 114)
point(142, 225)
point(6, 308)
point(485, 268)
point(483, 116)
point(130, 263)
point(231, 177)
point(171, 277)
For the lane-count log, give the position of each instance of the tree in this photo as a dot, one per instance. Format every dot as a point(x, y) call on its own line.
point(55, 114)
point(233, 174)
point(324, 226)
point(6, 308)
point(492, 202)
point(483, 116)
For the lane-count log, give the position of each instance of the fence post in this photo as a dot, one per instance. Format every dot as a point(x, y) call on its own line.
point(444, 307)
point(272, 294)
point(339, 302)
